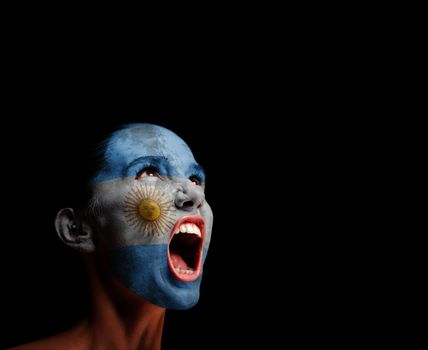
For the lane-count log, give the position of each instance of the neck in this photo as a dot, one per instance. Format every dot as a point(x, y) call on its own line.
point(119, 318)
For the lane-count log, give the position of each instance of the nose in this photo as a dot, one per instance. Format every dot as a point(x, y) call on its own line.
point(189, 196)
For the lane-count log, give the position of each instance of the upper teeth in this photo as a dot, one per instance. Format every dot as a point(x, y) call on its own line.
point(189, 228)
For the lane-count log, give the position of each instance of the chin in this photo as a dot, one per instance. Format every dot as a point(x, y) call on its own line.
point(145, 270)
point(181, 299)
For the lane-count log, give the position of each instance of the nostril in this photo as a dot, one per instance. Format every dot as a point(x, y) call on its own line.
point(188, 204)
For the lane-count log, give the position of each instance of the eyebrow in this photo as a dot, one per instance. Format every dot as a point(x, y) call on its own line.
point(197, 170)
point(194, 169)
point(147, 159)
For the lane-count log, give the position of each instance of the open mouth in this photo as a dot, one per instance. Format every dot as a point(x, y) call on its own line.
point(185, 248)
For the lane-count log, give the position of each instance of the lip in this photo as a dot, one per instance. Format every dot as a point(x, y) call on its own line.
point(188, 277)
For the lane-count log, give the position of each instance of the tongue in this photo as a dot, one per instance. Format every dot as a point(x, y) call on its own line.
point(178, 262)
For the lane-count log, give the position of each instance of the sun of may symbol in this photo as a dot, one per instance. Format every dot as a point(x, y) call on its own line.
point(149, 210)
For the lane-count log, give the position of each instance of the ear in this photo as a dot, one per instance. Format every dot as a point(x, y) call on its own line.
point(74, 232)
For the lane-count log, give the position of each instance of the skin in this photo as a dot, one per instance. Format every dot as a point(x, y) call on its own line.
point(128, 308)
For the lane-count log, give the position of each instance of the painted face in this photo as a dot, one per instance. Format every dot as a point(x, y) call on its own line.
point(152, 215)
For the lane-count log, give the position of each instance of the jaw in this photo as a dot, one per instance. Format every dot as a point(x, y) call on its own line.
point(185, 248)
point(144, 270)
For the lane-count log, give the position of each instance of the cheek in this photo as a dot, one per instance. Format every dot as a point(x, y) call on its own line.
point(112, 228)
point(149, 209)
point(207, 214)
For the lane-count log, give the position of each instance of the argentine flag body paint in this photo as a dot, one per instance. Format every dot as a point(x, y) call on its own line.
point(144, 270)
point(152, 215)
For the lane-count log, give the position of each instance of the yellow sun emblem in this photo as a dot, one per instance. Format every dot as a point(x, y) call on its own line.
point(149, 210)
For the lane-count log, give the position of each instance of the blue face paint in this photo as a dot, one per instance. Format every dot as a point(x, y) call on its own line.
point(139, 144)
point(144, 270)
point(146, 184)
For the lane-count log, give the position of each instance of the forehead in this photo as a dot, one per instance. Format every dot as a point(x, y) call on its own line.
point(146, 140)
point(140, 140)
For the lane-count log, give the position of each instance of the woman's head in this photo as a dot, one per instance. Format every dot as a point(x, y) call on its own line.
point(146, 215)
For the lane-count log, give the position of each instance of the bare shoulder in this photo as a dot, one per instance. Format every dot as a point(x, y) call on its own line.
point(74, 339)
point(53, 343)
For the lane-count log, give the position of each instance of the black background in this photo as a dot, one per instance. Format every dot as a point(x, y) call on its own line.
point(289, 118)
point(268, 162)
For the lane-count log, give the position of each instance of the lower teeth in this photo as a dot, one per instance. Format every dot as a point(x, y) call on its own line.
point(184, 271)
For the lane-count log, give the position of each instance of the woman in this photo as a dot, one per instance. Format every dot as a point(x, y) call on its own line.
point(144, 235)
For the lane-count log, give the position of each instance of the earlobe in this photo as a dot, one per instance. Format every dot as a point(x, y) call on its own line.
point(74, 232)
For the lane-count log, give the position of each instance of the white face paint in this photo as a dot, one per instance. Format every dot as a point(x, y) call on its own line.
point(120, 218)
point(152, 215)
